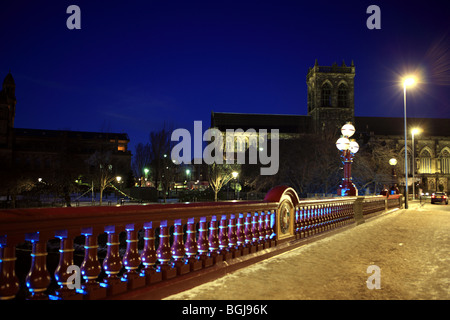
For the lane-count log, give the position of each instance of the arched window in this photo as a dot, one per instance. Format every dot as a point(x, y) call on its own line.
point(425, 162)
point(342, 96)
point(326, 95)
point(445, 161)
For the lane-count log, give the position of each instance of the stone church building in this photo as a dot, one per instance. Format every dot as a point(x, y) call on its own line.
point(331, 103)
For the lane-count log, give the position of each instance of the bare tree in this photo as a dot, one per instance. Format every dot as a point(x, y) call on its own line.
point(102, 173)
point(220, 175)
point(160, 147)
point(141, 160)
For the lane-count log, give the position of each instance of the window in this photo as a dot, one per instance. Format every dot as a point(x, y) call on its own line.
point(445, 162)
point(342, 96)
point(425, 162)
point(326, 95)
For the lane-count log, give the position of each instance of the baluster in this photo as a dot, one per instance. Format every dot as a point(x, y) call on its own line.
point(203, 244)
point(191, 246)
point(320, 218)
point(270, 235)
point(326, 222)
point(148, 256)
point(315, 220)
point(178, 250)
point(308, 222)
point(164, 254)
point(232, 237)
point(272, 225)
point(240, 232)
point(112, 264)
point(223, 239)
point(61, 273)
point(255, 232)
point(297, 223)
point(38, 278)
point(302, 222)
point(262, 230)
point(249, 234)
point(9, 283)
point(214, 241)
point(90, 268)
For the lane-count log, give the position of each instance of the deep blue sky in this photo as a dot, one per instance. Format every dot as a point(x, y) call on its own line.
point(137, 64)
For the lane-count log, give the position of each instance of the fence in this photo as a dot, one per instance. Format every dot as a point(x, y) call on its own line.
point(121, 249)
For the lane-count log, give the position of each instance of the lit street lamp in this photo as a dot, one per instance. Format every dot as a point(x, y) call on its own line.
point(409, 81)
point(348, 148)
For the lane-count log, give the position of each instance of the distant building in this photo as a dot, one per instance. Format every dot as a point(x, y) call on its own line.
point(331, 103)
point(39, 153)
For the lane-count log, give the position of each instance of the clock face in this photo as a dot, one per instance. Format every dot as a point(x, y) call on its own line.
point(285, 217)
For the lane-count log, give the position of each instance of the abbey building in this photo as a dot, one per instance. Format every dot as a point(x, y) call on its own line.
point(331, 103)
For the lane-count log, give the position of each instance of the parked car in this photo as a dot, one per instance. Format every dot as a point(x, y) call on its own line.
point(439, 197)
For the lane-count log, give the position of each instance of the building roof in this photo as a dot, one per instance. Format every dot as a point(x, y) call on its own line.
point(284, 122)
point(395, 126)
point(19, 132)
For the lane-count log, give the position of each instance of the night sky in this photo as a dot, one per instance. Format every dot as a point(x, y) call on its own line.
point(137, 64)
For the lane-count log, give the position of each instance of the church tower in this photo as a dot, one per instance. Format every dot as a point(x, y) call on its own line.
point(331, 99)
point(7, 114)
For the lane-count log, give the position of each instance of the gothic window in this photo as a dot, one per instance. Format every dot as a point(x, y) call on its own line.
point(342, 96)
point(425, 162)
point(326, 95)
point(445, 162)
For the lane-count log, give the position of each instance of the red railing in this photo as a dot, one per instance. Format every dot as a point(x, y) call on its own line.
point(120, 249)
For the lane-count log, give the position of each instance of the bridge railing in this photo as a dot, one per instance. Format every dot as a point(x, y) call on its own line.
point(103, 252)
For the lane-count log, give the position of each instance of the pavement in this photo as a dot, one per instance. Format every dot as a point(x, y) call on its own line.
point(400, 255)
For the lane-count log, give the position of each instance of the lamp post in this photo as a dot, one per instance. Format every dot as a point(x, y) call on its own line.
point(414, 132)
point(407, 82)
point(393, 163)
point(348, 148)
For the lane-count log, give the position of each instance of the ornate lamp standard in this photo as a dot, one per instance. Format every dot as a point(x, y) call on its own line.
point(348, 148)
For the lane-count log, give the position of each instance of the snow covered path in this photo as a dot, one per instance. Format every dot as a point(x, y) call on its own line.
point(411, 248)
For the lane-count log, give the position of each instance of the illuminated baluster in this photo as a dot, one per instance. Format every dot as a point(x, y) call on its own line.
point(62, 275)
point(223, 239)
point(9, 283)
point(240, 233)
point(178, 250)
point(203, 243)
point(214, 241)
point(302, 222)
point(191, 247)
point(112, 264)
point(320, 217)
point(132, 260)
point(249, 234)
point(262, 229)
point(164, 254)
point(297, 223)
point(90, 268)
point(232, 237)
point(255, 232)
point(38, 278)
point(148, 256)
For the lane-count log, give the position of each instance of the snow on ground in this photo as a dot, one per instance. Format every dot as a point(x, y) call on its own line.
point(411, 248)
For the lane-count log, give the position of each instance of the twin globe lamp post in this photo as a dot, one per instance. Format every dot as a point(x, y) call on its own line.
point(348, 147)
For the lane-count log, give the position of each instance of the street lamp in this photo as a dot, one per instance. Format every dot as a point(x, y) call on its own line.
point(414, 131)
point(348, 148)
point(409, 81)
